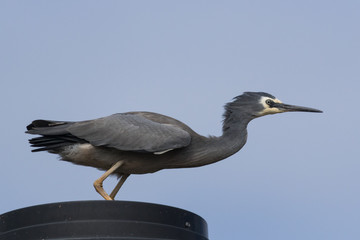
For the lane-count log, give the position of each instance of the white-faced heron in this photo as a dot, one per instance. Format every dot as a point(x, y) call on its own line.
point(146, 142)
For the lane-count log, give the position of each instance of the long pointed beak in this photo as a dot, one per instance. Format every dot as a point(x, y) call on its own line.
point(293, 108)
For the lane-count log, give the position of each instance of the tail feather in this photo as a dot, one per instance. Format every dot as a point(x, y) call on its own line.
point(53, 135)
point(41, 141)
point(46, 127)
point(52, 147)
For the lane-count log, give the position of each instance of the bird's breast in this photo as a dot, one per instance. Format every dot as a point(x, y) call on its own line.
point(104, 157)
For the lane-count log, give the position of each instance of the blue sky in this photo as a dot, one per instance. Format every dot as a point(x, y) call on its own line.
point(298, 175)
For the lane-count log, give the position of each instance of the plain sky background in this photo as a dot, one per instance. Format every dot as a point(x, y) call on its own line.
point(298, 175)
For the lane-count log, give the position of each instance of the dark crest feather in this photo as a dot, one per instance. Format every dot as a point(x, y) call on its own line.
point(246, 103)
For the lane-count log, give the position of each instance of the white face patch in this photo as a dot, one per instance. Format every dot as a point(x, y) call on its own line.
point(267, 109)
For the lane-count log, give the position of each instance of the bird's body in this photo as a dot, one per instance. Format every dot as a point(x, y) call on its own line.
point(197, 151)
point(146, 142)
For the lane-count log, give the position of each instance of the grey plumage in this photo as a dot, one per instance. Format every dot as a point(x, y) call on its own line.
point(131, 131)
point(145, 142)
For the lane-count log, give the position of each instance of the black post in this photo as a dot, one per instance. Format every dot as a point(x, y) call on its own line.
point(102, 220)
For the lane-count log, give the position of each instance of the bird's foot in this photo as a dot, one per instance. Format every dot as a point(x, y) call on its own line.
point(99, 188)
point(98, 184)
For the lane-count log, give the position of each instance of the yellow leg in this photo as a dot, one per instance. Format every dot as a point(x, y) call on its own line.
point(118, 185)
point(98, 184)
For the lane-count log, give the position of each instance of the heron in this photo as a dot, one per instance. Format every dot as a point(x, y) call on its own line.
point(146, 142)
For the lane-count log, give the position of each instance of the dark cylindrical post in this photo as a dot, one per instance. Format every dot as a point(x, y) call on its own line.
point(102, 220)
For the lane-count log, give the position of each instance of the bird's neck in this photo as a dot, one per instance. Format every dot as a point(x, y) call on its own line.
point(213, 149)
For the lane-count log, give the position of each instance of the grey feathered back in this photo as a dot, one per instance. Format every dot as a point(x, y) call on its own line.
point(123, 131)
point(131, 132)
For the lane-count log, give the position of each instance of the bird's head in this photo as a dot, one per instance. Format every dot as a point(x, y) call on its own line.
point(257, 104)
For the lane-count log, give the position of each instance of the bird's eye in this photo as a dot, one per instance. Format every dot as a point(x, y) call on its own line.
point(269, 102)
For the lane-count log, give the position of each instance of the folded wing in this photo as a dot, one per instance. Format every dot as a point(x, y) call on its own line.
point(123, 131)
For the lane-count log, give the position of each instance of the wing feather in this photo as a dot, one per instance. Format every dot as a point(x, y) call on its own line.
point(131, 132)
